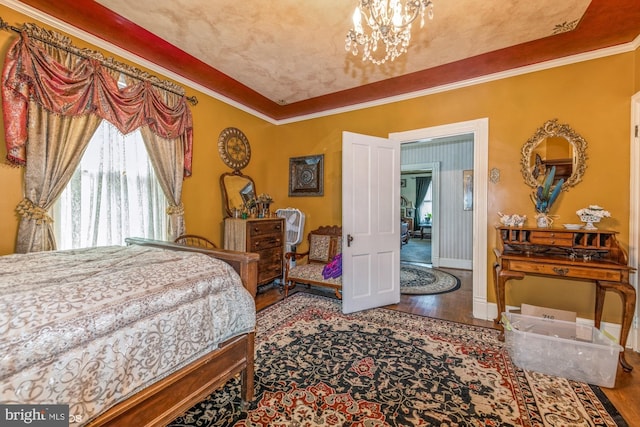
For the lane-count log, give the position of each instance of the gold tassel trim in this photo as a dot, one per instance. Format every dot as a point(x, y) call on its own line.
point(27, 209)
point(175, 210)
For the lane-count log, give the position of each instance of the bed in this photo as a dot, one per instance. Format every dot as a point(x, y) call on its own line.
point(126, 335)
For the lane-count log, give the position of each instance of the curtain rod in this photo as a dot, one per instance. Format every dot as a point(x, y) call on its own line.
point(62, 42)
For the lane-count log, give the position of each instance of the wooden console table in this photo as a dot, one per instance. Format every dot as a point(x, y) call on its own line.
point(593, 255)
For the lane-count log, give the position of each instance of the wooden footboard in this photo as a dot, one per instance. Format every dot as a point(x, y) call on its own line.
point(245, 263)
point(162, 402)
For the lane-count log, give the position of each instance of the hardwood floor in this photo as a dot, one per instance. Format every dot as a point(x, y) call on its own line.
point(457, 307)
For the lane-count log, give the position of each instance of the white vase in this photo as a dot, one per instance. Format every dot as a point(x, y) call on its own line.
point(543, 221)
point(589, 220)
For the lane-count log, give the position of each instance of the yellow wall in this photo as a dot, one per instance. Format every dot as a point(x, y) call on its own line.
point(636, 70)
point(592, 97)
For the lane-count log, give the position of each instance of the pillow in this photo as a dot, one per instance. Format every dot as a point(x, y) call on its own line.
point(319, 248)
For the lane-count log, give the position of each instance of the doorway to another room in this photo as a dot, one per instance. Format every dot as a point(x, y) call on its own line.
point(434, 173)
point(416, 211)
point(474, 181)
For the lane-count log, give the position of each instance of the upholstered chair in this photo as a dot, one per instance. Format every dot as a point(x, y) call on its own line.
point(325, 244)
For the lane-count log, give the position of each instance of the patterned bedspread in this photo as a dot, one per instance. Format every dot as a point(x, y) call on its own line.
point(90, 327)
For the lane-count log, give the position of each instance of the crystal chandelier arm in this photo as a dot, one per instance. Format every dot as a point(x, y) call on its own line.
point(389, 22)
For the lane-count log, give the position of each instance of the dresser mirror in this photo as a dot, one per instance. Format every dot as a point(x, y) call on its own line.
point(556, 145)
point(237, 189)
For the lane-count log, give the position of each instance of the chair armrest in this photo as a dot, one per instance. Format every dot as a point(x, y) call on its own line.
point(295, 255)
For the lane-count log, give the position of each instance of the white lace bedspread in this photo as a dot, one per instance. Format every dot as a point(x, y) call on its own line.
point(90, 327)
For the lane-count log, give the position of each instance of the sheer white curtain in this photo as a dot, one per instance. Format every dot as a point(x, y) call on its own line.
point(424, 198)
point(112, 195)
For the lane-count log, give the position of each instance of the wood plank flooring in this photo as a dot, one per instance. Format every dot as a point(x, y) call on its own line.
point(457, 307)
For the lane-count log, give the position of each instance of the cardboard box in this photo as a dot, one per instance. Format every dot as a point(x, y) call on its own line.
point(547, 313)
point(564, 349)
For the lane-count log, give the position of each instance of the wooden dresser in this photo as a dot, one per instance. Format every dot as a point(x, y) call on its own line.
point(264, 236)
point(592, 255)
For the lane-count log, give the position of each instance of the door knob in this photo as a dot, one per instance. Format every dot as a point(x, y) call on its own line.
point(349, 240)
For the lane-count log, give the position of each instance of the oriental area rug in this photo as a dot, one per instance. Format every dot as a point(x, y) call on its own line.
point(421, 280)
point(318, 367)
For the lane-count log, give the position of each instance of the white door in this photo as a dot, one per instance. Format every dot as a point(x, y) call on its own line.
point(370, 222)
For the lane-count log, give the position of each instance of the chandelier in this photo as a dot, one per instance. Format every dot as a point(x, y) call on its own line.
point(390, 24)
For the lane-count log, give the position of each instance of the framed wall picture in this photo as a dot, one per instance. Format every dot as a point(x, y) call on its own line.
point(306, 176)
point(403, 182)
point(467, 190)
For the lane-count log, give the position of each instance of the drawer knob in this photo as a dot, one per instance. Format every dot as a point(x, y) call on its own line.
point(561, 271)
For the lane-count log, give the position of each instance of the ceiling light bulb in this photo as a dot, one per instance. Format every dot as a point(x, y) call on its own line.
point(388, 22)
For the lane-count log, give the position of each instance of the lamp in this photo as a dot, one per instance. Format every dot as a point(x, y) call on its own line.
point(390, 23)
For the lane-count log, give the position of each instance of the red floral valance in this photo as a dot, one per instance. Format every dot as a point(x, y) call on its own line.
point(30, 73)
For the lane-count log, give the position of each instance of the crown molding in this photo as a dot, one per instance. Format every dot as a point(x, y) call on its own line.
point(138, 60)
point(541, 66)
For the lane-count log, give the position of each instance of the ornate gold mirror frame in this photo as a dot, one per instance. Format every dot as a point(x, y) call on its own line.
point(237, 190)
point(536, 158)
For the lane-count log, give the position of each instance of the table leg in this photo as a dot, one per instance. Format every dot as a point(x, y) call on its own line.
point(500, 278)
point(628, 295)
point(498, 286)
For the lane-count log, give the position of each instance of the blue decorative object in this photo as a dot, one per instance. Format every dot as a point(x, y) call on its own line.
point(545, 194)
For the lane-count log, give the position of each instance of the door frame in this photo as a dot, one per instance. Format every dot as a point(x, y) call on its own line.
point(434, 168)
point(634, 214)
point(480, 130)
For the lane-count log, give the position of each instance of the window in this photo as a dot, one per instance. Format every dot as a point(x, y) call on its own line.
point(426, 207)
point(112, 195)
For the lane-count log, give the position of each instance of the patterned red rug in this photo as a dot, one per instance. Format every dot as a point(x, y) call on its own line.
point(318, 367)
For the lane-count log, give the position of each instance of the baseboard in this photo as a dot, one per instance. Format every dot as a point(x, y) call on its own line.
point(460, 264)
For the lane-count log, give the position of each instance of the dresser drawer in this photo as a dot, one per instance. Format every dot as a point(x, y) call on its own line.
point(258, 228)
point(270, 264)
point(569, 271)
point(553, 238)
point(259, 243)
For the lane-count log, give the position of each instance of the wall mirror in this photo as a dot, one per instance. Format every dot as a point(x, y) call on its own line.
point(556, 145)
point(237, 189)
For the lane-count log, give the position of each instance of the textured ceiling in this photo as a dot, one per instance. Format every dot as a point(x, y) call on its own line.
point(286, 58)
point(292, 50)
